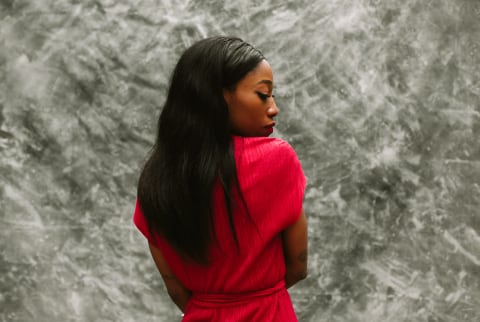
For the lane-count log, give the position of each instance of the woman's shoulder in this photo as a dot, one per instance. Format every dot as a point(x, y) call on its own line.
point(266, 142)
point(265, 148)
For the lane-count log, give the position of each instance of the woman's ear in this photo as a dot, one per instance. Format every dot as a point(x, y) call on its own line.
point(227, 96)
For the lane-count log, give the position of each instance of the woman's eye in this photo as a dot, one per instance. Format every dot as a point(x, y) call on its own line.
point(262, 96)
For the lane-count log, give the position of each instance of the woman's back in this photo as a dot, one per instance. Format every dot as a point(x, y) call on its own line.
point(239, 279)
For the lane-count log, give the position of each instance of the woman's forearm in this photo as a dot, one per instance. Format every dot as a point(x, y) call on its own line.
point(295, 248)
point(177, 292)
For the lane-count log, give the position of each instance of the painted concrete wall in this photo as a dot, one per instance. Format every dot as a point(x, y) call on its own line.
point(381, 100)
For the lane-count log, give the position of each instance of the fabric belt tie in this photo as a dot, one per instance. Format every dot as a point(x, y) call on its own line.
point(214, 300)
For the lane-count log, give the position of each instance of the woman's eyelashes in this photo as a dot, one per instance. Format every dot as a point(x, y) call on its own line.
point(263, 96)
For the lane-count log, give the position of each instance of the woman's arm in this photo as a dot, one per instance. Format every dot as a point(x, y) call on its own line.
point(295, 247)
point(177, 292)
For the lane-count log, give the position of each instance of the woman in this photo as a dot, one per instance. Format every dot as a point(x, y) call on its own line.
point(219, 202)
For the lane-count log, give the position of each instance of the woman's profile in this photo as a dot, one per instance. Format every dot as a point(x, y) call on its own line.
point(219, 201)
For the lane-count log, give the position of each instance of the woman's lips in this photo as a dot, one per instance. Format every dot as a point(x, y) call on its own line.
point(269, 128)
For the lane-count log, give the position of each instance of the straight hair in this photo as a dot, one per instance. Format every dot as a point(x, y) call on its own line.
point(193, 148)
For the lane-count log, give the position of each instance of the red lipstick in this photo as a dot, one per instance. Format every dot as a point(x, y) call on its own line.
point(269, 128)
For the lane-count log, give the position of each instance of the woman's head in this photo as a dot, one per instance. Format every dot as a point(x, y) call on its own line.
point(251, 105)
point(214, 89)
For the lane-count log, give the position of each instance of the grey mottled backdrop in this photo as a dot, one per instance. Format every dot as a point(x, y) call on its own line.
point(381, 100)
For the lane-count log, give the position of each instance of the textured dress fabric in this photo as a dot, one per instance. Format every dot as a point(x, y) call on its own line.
point(245, 283)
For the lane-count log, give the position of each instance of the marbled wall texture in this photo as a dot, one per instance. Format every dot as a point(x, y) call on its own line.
point(381, 100)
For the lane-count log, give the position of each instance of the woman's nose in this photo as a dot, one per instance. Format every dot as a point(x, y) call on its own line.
point(273, 109)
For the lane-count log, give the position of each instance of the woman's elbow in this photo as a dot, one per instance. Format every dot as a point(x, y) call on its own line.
point(295, 276)
point(301, 274)
point(298, 268)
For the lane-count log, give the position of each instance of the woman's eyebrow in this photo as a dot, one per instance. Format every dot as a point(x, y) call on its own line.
point(264, 81)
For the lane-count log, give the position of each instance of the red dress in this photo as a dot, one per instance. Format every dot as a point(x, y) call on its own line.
point(246, 285)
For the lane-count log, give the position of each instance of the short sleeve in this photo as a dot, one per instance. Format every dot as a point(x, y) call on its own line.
point(290, 188)
point(272, 181)
point(140, 222)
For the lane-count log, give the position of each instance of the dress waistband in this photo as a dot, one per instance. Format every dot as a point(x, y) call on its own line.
point(227, 299)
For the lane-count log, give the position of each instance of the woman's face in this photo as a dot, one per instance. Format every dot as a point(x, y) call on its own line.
point(251, 105)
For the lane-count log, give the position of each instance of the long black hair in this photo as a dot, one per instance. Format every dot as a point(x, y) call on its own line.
point(193, 148)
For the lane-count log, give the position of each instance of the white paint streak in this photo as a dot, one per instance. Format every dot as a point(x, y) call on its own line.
point(399, 284)
point(460, 248)
point(34, 218)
